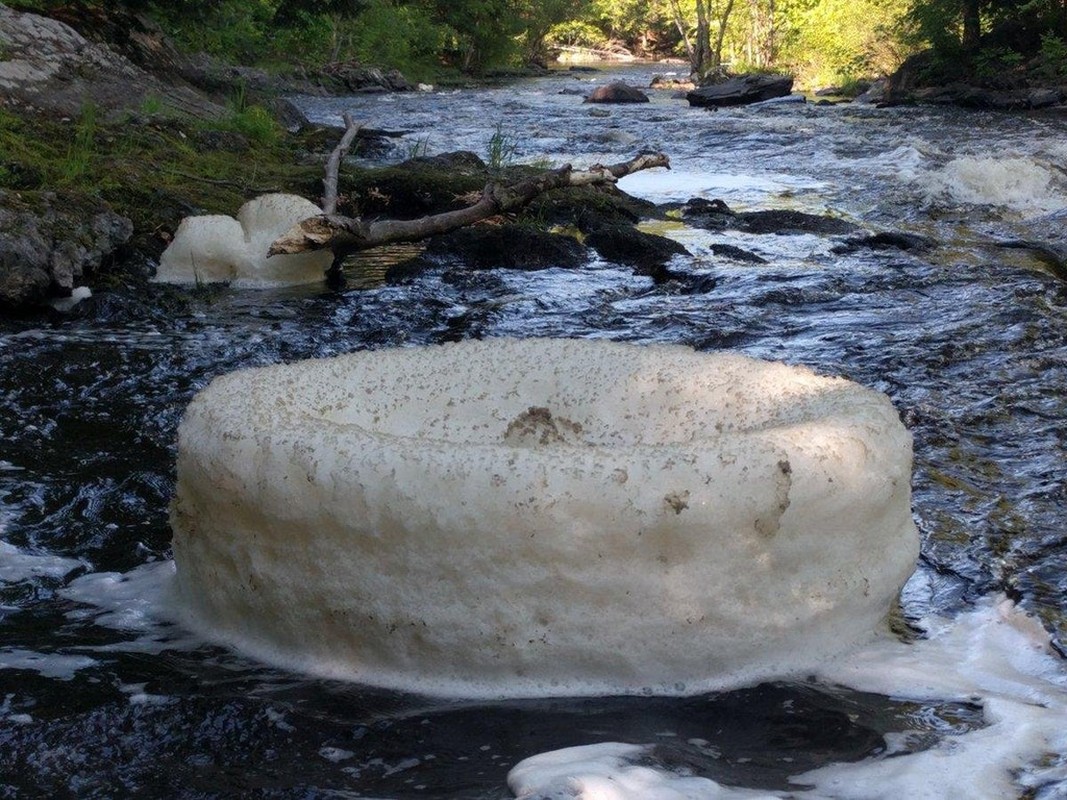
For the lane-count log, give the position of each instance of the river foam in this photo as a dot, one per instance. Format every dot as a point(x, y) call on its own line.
point(1021, 184)
point(994, 656)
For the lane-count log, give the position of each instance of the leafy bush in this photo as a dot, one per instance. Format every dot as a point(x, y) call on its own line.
point(992, 62)
point(577, 33)
point(1052, 60)
point(405, 37)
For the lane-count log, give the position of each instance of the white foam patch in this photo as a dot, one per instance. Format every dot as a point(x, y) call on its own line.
point(49, 665)
point(994, 656)
point(216, 248)
point(1019, 184)
point(678, 185)
point(130, 601)
point(608, 772)
point(618, 519)
point(336, 754)
point(18, 565)
point(137, 602)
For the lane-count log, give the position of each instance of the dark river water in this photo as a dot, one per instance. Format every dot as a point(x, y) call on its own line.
point(100, 698)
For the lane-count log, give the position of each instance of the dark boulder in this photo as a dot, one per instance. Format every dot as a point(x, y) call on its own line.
point(646, 253)
point(358, 78)
point(737, 254)
point(741, 90)
point(494, 247)
point(716, 215)
point(617, 92)
point(888, 240)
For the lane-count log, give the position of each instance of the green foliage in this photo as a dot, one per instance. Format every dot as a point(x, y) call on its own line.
point(991, 62)
point(418, 148)
point(1052, 64)
point(82, 149)
point(501, 149)
point(392, 35)
point(151, 105)
point(834, 41)
point(577, 33)
point(256, 123)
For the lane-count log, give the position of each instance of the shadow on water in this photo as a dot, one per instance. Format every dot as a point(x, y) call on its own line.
point(206, 725)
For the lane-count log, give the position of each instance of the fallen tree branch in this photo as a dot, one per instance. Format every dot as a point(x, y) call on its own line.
point(229, 184)
point(333, 165)
point(344, 235)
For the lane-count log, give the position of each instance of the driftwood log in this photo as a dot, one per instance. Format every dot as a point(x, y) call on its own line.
point(343, 235)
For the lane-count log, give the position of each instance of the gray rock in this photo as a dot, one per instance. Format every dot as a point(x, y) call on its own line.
point(617, 92)
point(50, 66)
point(52, 246)
point(1043, 98)
point(741, 90)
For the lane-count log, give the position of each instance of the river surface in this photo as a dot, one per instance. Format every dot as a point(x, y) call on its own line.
point(101, 698)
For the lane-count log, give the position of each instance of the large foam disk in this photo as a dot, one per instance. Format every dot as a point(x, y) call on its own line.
point(525, 517)
point(215, 248)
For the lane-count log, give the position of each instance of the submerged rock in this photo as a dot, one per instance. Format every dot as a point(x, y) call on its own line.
point(887, 240)
point(716, 215)
point(617, 92)
point(741, 90)
point(737, 254)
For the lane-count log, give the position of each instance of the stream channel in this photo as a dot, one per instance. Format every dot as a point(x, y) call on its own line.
point(100, 697)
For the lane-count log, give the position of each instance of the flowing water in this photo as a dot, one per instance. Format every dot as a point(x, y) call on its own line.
point(100, 697)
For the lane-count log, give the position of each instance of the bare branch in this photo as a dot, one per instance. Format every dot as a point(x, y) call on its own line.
point(333, 165)
point(345, 235)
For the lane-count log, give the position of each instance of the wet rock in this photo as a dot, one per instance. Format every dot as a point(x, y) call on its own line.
point(741, 90)
point(49, 247)
point(716, 215)
point(617, 92)
point(368, 80)
point(416, 187)
point(1043, 98)
point(671, 82)
point(1054, 257)
point(874, 94)
point(737, 254)
point(48, 65)
point(463, 161)
point(322, 139)
point(888, 240)
point(647, 253)
point(494, 247)
point(287, 114)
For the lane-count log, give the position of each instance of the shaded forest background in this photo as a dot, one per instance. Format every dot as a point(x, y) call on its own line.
point(822, 42)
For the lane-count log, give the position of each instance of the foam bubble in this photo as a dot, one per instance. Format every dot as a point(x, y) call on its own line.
point(541, 517)
point(213, 248)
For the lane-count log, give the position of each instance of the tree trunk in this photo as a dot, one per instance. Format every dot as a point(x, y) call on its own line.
point(683, 30)
point(972, 26)
point(343, 235)
point(703, 44)
point(716, 54)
